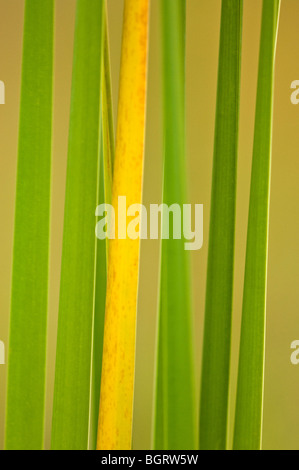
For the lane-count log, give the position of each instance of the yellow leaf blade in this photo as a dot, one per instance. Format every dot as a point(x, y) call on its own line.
point(116, 403)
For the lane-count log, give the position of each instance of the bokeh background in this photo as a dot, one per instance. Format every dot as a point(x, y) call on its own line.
point(281, 413)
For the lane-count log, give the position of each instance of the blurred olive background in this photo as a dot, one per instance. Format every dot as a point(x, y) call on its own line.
point(281, 414)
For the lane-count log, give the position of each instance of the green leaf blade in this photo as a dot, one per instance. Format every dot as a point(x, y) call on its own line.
point(99, 318)
point(107, 113)
point(28, 321)
point(72, 392)
point(219, 291)
point(107, 151)
point(175, 425)
point(249, 405)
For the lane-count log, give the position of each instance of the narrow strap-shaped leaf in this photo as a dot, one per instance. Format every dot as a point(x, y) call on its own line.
point(219, 291)
point(175, 424)
point(71, 407)
point(249, 405)
point(105, 195)
point(116, 403)
point(99, 317)
point(28, 321)
point(107, 113)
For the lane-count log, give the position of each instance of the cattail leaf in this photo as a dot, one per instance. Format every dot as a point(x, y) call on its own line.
point(107, 115)
point(107, 151)
point(249, 405)
point(116, 403)
point(71, 408)
point(99, 317)
point(28, 321)
point(219, 291)
point(175, 420)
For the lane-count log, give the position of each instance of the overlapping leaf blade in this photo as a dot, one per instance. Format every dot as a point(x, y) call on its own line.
point(71, 409)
